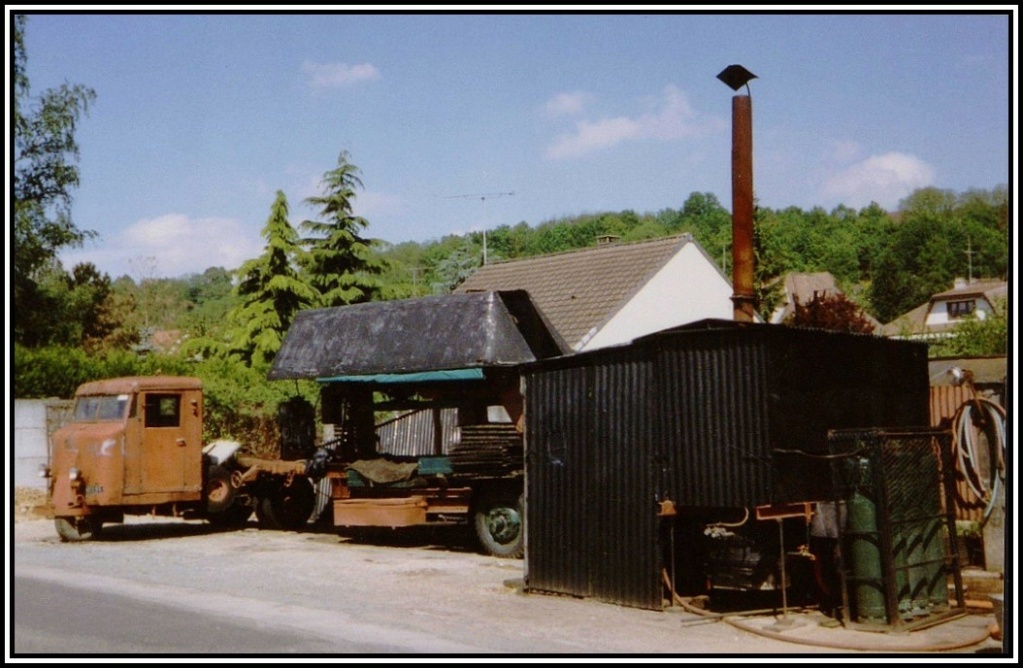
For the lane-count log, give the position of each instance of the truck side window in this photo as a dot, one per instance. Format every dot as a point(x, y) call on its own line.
point(163, 410)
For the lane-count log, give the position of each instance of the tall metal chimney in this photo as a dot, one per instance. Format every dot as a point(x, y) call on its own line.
point(743, 296)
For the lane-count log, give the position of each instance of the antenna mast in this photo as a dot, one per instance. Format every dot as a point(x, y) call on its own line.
point(483, 197)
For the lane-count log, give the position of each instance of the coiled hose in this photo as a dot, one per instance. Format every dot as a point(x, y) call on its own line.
point(984, 412)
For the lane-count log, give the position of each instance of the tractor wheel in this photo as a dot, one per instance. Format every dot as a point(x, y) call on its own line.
point(499, 527)
point(77, 529)
point(220, 491)
point(287, 507)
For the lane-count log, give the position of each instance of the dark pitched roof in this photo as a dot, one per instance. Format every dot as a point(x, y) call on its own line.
point(805, 286)
point(578, 290)
point(415, 335)
point(989, 289)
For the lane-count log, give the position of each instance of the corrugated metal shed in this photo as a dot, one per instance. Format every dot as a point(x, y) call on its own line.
point(415, 335)
point(714, 415)
point(946, 402)
point(592, 470)
point(429, 431)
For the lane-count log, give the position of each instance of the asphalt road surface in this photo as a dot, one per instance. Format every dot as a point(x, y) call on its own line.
point(167, 587)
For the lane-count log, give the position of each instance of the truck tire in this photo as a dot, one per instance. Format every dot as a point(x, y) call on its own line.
point(499, 527)
point(220, 491)
point(287, 507)
point(77, 529)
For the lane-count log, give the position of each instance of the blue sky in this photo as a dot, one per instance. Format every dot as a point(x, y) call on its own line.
point(200, 119)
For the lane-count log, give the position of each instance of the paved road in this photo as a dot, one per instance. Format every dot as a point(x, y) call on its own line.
point(53, 618)
point(179, 588)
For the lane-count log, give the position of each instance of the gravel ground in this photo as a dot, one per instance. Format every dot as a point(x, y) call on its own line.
point(422, 594)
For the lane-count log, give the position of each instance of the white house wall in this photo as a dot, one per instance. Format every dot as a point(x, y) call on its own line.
point(686, 289)
point(938, 315)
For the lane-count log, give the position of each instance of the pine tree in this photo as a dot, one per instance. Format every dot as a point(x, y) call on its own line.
point(271, 290)
point(341, 265)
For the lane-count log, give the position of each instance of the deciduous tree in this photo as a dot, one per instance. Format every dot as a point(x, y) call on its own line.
point(45, 174)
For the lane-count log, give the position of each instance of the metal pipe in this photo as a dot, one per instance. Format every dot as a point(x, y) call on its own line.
point(743, 296)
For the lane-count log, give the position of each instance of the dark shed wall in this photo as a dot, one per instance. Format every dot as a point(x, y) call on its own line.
point(592, 471)
point(719, 416)
point(713, 405)
point(820, 381)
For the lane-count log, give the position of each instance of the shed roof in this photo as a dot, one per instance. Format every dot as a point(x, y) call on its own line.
point(577, 290)
point(415, 335)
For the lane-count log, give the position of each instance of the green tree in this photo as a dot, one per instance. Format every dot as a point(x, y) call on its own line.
point(271, 291)
point(974, 337)
point(341, 264)
point(45, 173)
point(210, 297)
point(451, 271)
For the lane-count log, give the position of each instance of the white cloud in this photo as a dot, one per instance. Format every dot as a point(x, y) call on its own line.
point(179, 245)
point(338, 75)
point(567, 104)
point(671, 117)
point(884, 179)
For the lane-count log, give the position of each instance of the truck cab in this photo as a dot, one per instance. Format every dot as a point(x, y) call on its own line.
point(132, 443)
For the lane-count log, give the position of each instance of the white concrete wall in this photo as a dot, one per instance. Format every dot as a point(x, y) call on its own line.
point(31, 437)
point(686, 289)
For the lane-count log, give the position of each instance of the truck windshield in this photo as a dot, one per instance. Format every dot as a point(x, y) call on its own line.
point(101, 408)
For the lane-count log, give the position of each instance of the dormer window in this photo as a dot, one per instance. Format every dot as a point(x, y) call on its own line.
point(959, 309)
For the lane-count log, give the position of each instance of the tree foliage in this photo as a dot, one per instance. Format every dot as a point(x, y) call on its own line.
point(239, 402)
point(831, 312)
point(976, 337)
point(45, 174)
point(271, 291)
point(341, 264)
point(939, 236)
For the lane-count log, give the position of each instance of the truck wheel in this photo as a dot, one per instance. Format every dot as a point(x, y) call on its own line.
point(77, 529)
point(287, 507)
point(220, 492)
point(499, 528)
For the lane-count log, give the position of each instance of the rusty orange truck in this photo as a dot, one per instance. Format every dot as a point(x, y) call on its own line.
point(134, 447)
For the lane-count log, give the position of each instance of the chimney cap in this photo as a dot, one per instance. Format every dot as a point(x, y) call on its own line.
point(736, 76)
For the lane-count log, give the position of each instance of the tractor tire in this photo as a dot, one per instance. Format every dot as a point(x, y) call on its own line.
point(77, 529)
point(220, 491)
point(499, 527)
point(287, 507)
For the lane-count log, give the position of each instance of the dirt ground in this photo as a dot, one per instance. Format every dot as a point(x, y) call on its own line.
point(426, 591)
point(26, 503)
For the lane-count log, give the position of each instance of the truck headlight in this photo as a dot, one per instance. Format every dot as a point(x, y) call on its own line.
point(73, 474)
point(44, 471)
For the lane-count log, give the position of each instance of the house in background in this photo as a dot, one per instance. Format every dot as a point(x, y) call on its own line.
point(947, 309)
point(805, 287)
point(615, 292)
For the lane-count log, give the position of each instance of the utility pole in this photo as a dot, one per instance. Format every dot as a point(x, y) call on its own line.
point(415, 283)
point(969, 258)
point(483, 198)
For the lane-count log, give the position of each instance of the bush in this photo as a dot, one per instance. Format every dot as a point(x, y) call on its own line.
point(240, 403)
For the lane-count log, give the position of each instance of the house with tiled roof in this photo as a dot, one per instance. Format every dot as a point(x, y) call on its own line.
point(613, 292)
point(806, 287)
point(943, 311)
